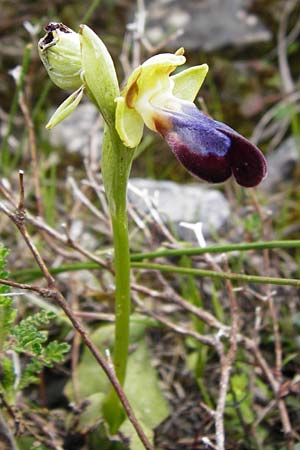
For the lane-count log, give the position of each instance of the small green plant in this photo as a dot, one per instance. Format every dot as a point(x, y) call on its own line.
point(27, 339)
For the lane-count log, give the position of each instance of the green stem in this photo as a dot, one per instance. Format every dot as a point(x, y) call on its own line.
point(116, 164)
point(26, 275)
point(122, 293)
point(93, 6)
point(225, 248)
point(219, 275)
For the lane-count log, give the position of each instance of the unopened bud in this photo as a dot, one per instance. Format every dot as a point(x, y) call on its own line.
point(60, 53)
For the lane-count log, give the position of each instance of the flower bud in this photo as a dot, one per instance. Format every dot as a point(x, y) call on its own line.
point(60, 53)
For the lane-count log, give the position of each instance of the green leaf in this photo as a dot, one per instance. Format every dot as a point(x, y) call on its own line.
point(7, 318)
point(7, 312)
point(130, 433)
point(54, 352)
point(289, 358)
point(66, 108)
point(92, 413)
point(141, 386)
point(88, 369)
point(145, 396)
point(241, 397)
point(27, 338)
point(7, 378)
point(29, 443)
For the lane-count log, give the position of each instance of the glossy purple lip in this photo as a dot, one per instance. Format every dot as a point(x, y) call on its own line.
point(211, 150)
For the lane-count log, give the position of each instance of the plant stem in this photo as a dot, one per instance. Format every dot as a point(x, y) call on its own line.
point(122, 293)
point(32, 274)
point(224, 248)
point(116, 164)
point(219, 275)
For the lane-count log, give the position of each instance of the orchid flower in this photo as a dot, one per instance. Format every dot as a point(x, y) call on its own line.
point(208, 149)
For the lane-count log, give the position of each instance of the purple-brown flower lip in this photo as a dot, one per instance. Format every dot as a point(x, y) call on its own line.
point(209, 149)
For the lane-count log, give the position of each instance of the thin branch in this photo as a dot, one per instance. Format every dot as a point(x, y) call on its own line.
point(204, 339)
point(286, 77)
point(173, 297)
point(33, 153)
point(84, 200)
point(28, 287)
point(6, 436)
point(226, 367)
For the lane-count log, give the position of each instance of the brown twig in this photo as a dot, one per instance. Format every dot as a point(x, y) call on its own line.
point(33, 153)
point(227, 361)
point(172, 296)
point(204, 339)
point(41, 429)
point(284, 69)
point(6, 436)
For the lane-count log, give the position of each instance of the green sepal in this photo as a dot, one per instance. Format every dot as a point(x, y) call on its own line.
point(99, 73)
point(66, 108)
point(188, 82)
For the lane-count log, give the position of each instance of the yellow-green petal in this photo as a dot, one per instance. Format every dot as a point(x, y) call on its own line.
point(129, 124)
point(165, 59)
point(188, 82)
point(66, 108)
point(156, 70)
point(151, 76)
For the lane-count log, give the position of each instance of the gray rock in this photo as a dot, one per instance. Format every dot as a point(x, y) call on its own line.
point(281, 164)
point(206, 24)
point(75, 132)
point(177, 203)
